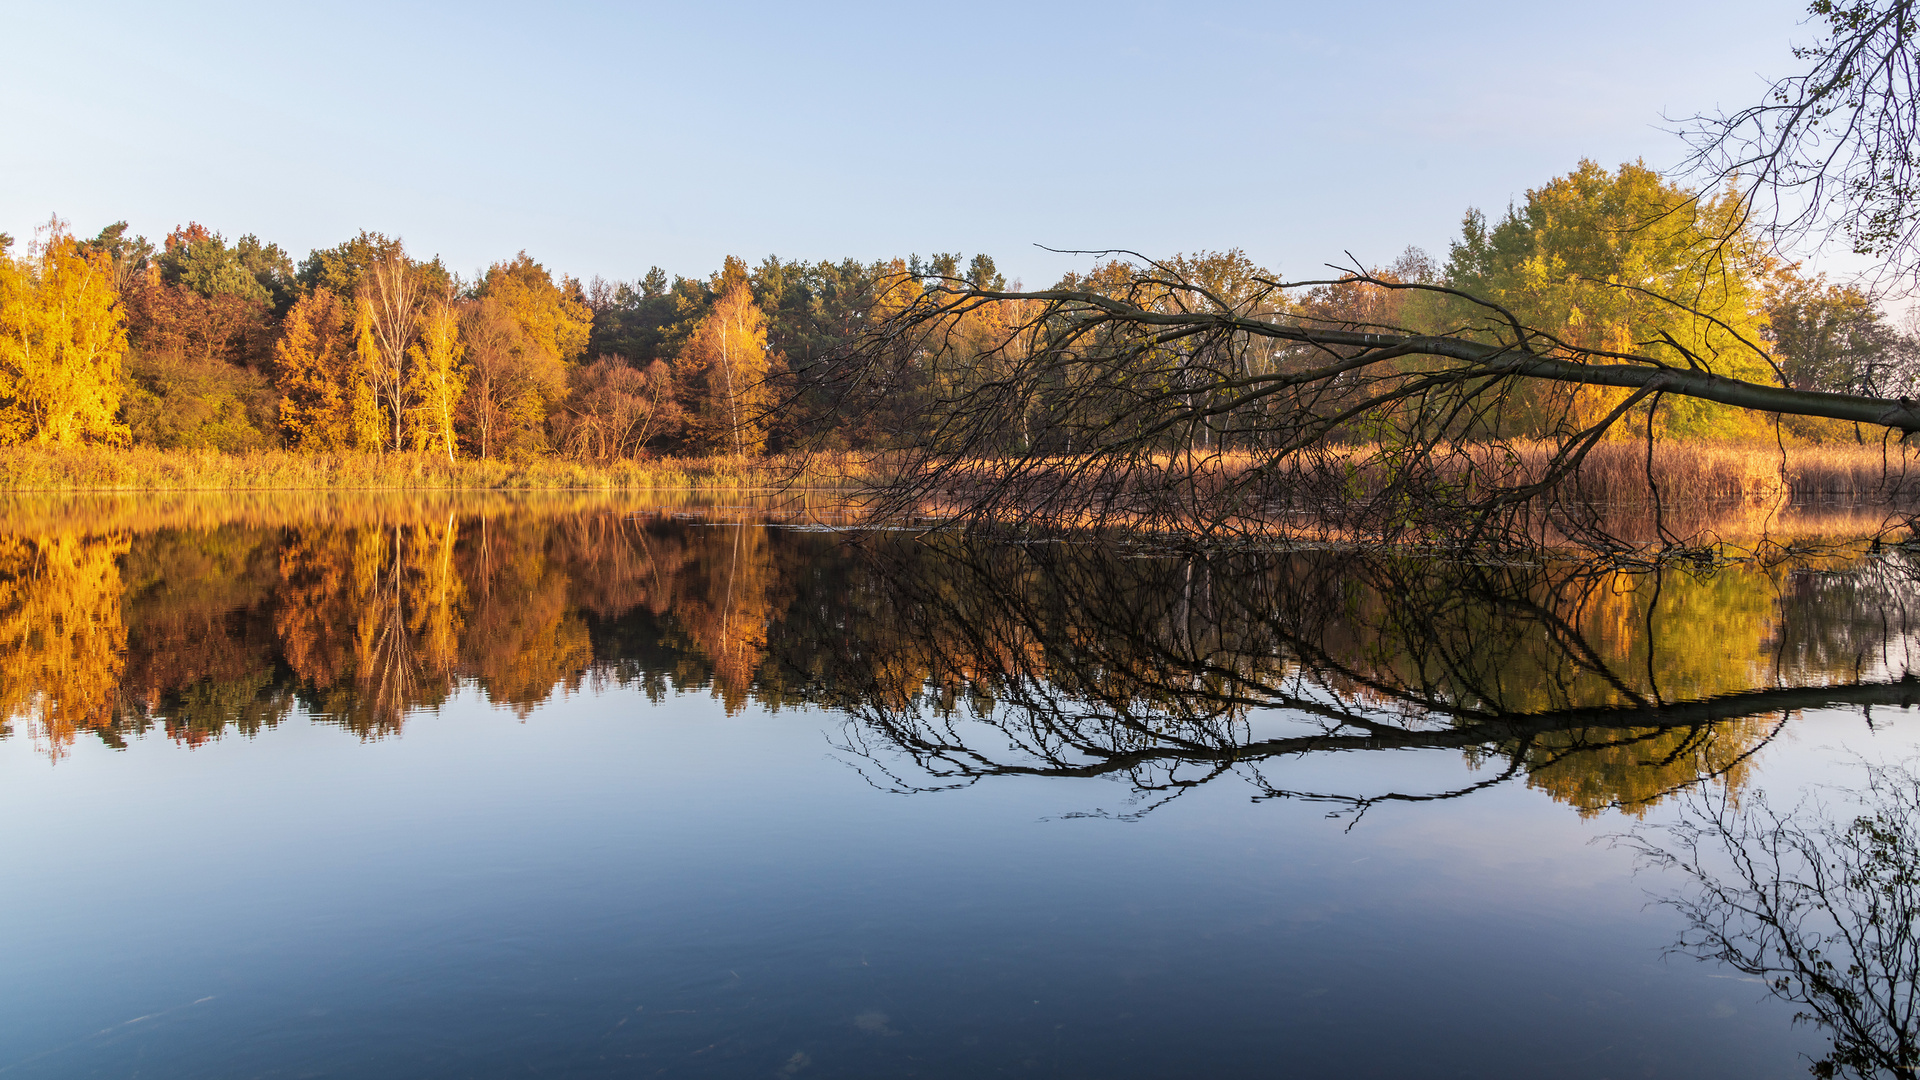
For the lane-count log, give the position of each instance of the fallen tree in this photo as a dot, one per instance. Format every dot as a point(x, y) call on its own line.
point(1158, 401)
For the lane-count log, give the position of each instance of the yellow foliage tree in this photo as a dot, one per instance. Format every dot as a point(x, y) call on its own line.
point(389, 310)
point(439, 378)
point(370, 364)
point(552, 322)
point(1626, 262)
point(62, 343)
point(553, 318)
point(726, 362)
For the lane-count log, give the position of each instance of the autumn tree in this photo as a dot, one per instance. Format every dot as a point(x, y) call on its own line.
point(1619, 263)
point(525, 374)
point(202, 317)
point(439, 377)
point(509, 383)
point(62, 343)
point(613, 409)
point(318, 373)
point(554, 318)
point(200, 298)
point(386, 320)
point(726, 366)
point(383, 290)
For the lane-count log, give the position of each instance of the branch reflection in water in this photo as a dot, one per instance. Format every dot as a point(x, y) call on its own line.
point(1821, 903)
point(954, 659)
point(1603, 688)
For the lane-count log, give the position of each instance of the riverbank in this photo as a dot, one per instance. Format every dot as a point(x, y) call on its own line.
point(35, 469)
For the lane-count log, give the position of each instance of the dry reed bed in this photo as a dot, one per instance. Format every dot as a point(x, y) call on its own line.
point(1737, 500)
point(1620, 472)
point(145, 469)
point(1720, 531)
point(98, 513)
point(1624, 472)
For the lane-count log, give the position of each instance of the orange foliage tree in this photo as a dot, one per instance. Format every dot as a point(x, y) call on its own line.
point(525, 334)
point(318, 373)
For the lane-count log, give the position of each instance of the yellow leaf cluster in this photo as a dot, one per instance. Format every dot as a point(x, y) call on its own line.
point(62, 344)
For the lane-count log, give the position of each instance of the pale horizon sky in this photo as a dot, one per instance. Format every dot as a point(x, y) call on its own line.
point(606, 138)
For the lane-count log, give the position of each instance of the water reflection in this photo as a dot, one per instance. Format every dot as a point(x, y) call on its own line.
point(953, 660)
point(1819, 903)
point(1602, 688)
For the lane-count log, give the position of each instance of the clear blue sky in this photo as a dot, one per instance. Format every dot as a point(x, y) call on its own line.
point(605, 138)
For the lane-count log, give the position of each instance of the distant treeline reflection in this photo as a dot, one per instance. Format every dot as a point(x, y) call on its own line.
point(954, 660)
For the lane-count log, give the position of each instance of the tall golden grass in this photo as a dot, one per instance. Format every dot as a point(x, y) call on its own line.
point(1700, 492)
point(1691, 494)
point(1625, 473)
point(147, 469)
point(1613, 473)
point(93, 513)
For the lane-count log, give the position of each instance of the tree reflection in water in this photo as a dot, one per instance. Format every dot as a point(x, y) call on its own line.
point(1821, 903)
point(956, 660)
point(1603, 688)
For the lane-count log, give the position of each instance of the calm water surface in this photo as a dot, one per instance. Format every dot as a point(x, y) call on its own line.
point(448, 789)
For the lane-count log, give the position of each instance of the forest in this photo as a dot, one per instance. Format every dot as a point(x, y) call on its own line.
point(198, 342)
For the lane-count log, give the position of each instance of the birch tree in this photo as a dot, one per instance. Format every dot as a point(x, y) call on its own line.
point(389, 317)
point(726, 358)
point(439, 377)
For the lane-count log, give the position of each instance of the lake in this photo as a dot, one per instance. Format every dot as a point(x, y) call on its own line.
point(436, 786)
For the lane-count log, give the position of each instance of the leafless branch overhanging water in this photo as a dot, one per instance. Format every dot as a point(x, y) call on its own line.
point(1158, 403)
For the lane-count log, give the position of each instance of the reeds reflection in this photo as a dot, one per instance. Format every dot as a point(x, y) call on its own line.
point(954, 660)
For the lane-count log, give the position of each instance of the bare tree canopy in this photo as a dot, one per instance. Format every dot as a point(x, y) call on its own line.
point(1831, 151)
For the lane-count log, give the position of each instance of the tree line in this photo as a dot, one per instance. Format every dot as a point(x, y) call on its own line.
point(198, 342)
